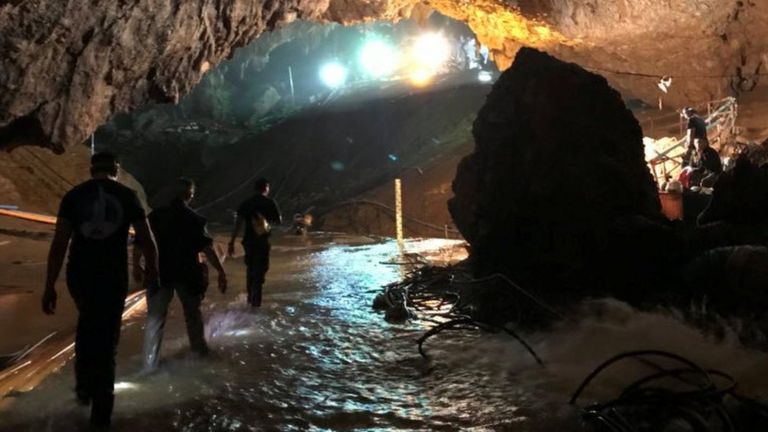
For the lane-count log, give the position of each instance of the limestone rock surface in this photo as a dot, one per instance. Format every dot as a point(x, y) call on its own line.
point(557, 179)
point(66, 67)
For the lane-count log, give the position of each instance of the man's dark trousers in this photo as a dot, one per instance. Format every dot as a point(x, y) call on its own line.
point(158, 301)
point(257, 265)
point(100, 300)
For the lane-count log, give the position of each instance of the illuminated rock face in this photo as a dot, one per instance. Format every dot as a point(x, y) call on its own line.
point(557, 175)
point(711, 48)
point(67, 66)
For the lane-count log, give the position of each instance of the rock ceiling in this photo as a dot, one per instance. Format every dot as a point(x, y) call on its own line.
point(66, 67)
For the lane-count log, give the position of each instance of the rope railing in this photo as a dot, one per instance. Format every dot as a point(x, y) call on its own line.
point(713, 120)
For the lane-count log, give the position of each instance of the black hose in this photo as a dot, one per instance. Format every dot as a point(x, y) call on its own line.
point(629, 354)
point(437, 329)
point(525, 344)
point(677, 374)
point(473, 324)
point(657, 408)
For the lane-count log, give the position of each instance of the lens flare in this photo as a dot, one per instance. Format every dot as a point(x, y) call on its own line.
point(427, 57)
point(420, 77)
point(378, 58)
point(333, 75)
point(431, 50)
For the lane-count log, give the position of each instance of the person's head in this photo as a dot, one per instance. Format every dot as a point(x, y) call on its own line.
point(185, 190)
point(261, 186)
point(104, 165)
point(688, 112)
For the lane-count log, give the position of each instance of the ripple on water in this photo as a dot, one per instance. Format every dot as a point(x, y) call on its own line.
point(316, 357)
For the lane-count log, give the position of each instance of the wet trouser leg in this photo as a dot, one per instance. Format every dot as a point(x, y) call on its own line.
point(190, 302)
point(157, 310)
point(100, 305)
point(257, 265)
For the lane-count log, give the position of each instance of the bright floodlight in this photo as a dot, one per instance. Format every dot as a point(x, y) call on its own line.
point(484, 76)
point(378, 58)
point(420, 77)
point(431, 50)
point(333, 74)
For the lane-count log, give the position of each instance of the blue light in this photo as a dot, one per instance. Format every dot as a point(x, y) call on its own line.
point(333, 75)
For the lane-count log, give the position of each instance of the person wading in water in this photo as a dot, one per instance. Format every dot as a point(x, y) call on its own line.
point(181, 236)
point(96, 217)
point(256, 214)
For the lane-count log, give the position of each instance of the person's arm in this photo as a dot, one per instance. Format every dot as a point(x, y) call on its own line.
point(55, 262)
point(276, 217)
point(146, 242)
point(215, 261)
point(239, 223)
point(688, 156)
point(138, 271)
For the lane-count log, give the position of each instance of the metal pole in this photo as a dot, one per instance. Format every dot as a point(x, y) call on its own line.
point(398, 211)
point(290, 80)
point(93, 143)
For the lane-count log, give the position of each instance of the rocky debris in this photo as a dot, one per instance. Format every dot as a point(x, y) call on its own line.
point(557, 177)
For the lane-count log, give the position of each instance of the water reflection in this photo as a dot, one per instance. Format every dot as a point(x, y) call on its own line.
point(316, 357)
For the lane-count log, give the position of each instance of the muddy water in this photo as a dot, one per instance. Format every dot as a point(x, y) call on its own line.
point(315, 357)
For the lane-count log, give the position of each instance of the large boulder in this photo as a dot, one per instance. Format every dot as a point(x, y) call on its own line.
point(557, 189)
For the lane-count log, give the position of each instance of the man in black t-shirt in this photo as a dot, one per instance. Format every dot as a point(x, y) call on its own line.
point(181, 236)
point(704, 160)
point(256, 214)
point(696, 127)
point(96, 217)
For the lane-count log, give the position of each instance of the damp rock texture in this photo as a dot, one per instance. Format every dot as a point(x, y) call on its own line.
point(557, 185)
point(66, 67)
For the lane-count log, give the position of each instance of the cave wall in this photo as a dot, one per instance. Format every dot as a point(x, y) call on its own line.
point(712, 48)
point(67, 66)
point(34, 179)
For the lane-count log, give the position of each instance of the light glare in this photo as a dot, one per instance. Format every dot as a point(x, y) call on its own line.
point(333, 75)
point(124, 385)
point(420, 77)
point(378, 58)
point(484, 76)
point(431, 50)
